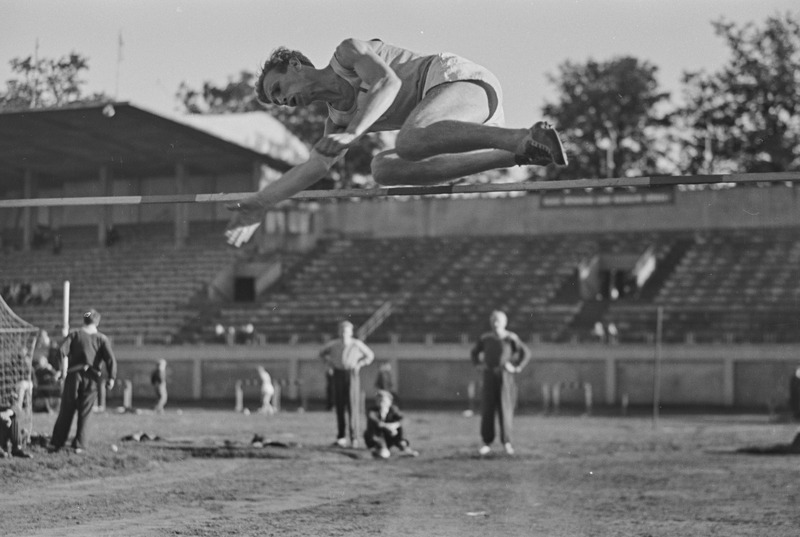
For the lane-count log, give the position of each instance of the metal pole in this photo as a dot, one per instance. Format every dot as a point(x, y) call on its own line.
point(657, 366)
point(65, 318)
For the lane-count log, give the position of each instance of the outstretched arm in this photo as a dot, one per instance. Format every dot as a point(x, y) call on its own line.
point(249, 212)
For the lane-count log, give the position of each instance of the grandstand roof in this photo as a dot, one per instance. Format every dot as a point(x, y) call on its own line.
point(65, 143)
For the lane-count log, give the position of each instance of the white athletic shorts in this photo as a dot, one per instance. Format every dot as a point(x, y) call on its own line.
point(448, 67)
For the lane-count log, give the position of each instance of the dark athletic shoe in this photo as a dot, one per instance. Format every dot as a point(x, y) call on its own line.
point(541, 147)
point(21, 454)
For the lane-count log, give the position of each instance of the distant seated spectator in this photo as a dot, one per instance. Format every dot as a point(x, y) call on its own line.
point(43, 373)
point(613, 334)
point(57, 244)
point(112, 236)
point(230, 337)
point(10, 433)
point(219, 333)
point(384, 380)
point(46, 386)
point(13, 294)
point(599, 332)
point(54, 353)
point(41, 236)
point(246, 335)
point(39, 293)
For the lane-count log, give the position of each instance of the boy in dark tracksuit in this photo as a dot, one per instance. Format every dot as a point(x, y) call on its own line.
point(501, 354)
point(83, 350)
point(385, 428)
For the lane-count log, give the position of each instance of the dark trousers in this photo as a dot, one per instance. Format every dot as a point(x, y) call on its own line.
point(499, 394)
point(375, 437)
point(10, 434)
point(347, 402)
point(794, 397)
point(79, 395)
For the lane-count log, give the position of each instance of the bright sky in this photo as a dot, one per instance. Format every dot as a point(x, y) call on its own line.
point(166, 42)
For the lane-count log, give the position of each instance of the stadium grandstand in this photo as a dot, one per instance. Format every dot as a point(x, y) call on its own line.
point(418, 275)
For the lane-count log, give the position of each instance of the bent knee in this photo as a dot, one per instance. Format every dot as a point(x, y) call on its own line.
point(409, 147)
point(384, 170)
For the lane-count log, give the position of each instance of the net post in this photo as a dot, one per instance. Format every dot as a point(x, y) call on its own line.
point(238, 397)
point(65, 312)
point(657, 366)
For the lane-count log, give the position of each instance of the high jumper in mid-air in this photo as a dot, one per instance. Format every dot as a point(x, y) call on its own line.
point(448, 112)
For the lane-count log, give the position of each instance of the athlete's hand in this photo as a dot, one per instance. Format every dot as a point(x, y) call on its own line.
point(110, 384)
point(511, 368)
point(247, 216)
point(334, 143)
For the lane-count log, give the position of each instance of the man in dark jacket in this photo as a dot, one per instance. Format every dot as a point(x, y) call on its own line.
point(501, 354)
point(82, 353)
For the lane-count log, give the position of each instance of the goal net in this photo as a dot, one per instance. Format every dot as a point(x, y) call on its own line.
point(17, 342)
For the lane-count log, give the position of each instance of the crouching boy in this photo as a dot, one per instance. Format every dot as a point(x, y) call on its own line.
point(385, 429)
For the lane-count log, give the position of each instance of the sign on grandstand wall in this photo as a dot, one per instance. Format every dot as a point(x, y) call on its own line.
point(600, 198)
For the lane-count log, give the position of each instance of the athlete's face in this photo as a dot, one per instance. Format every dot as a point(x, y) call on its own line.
point(292, 88)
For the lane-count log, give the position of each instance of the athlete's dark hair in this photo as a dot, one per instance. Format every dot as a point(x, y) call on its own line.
point(279, 59)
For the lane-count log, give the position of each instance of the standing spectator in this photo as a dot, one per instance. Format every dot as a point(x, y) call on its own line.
point(82, 352)
point(248, 334)
point(54, 352)
point(230, 336)
point(158, 379)
point(267, 391)
point(219, 333)
point(385, 428)
point(46, 387)
point(794, 394)
point(346, 355)
point(385, 380)
point(501, 354)
point(599, 332)
point(57, 244)
point(613, 334)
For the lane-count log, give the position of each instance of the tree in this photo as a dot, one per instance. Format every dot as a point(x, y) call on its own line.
point(746, 116)
point(608, 114)
point(306, 122)
point(47, 83)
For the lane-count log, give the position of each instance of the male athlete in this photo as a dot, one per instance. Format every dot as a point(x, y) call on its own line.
point(448, 111)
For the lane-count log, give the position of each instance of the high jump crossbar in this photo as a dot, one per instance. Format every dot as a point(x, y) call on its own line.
point(388, 192)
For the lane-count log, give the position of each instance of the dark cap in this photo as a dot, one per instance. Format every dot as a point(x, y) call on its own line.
point(92, 316)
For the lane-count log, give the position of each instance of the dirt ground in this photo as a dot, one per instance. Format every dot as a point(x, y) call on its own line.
point(571, 476)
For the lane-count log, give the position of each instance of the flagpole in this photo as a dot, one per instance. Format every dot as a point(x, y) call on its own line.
point(119, 61)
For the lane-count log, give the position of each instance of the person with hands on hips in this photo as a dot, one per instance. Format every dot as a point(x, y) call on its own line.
point(501, 355)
